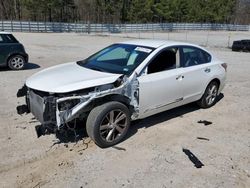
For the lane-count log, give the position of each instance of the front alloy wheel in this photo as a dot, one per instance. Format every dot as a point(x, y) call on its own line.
point(108, 124)
point(113, 125)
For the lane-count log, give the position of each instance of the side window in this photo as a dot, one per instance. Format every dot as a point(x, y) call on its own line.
point(166, 60)
point(1, 39)
point(207, 56)
point(6, 38)
point(194, 56)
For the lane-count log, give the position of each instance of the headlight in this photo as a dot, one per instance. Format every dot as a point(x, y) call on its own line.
point(68, 104)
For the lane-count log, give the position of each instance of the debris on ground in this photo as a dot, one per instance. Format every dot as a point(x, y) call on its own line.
point(197, 163)
point(205, 122)
point(119, 148)
point(202, 138)
point(21, 127)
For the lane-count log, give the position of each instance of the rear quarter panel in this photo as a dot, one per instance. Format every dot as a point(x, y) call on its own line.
point(217, 72)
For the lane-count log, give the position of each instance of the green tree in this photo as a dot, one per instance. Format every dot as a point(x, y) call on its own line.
point(141, 11)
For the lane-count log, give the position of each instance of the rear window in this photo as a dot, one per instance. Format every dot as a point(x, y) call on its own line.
point(236, 42)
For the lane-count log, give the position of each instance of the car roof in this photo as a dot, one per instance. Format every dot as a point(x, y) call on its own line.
point(245, 40)
point(4, 33)
point(155, 43)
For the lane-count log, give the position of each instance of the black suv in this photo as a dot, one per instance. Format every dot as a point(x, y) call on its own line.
point(12, 53)
point(241, 45)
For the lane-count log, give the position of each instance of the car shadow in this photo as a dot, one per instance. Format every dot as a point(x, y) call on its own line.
point(28, 66)
point(178, 112)
point(68, 135)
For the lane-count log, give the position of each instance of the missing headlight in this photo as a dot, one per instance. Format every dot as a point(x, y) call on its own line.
point(68, 104)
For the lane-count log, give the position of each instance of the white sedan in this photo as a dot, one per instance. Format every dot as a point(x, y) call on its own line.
point(123, 82)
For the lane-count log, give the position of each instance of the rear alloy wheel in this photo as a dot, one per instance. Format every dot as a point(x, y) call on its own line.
point(16, 62)
point(210, 96)
point(108, 124)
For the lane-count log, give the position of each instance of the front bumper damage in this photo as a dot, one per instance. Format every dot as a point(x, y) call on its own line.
point(54, 112)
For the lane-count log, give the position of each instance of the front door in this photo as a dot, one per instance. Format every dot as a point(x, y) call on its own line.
point(161, 85)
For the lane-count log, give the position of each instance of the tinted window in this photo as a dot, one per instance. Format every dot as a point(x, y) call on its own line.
point(1, 39)
point(207, 56)
point(165, 60)
point(116, 53)
point(244, 42)
point(7, 38)
point(194, 56)
point(117, 58)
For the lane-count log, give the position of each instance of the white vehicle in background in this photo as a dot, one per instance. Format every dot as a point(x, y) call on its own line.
point(123, 82)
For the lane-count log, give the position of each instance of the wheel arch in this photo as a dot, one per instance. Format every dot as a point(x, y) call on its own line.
point(113, 97)
point(13, 54)
point(212, 80)
point(215, 80)
point(201, 101)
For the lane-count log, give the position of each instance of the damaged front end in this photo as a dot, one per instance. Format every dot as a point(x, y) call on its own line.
point(54, 110)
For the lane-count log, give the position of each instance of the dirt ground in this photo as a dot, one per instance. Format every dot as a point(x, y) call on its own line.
point(152, 154)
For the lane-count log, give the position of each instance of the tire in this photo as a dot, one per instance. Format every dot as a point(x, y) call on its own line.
point(209, 97)
point(102, 124)
point(16, 62)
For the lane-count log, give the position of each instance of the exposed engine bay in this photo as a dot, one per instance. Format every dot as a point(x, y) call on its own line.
point(55, 110)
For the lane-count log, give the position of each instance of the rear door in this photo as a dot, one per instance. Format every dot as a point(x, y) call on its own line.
point(197, 70)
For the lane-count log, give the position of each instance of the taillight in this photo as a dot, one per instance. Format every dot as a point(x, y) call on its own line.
point(224, 65)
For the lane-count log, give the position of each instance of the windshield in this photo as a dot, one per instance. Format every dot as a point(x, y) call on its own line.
point(117, 58)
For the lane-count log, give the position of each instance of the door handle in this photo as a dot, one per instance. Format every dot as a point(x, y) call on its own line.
point(207, 70)
point(179, 77)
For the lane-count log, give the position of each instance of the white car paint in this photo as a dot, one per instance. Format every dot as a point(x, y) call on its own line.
point(68, 77)
point(157, 91)
point(164, 90)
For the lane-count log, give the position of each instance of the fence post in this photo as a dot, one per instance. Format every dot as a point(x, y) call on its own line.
point(229, 39)
point(11, 26)
point(21, 26)
point(207, 39)
point(2, 26)
point(153, 31)
point(37, 26)
point(45, 26)
point(29, 27)
point(88, 27)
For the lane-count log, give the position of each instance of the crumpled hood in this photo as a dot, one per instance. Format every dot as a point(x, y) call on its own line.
point(68, 77)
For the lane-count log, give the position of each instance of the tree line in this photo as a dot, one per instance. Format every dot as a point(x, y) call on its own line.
point(124, 11)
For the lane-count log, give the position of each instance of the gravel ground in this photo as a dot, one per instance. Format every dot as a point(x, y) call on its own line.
point(152, 155)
